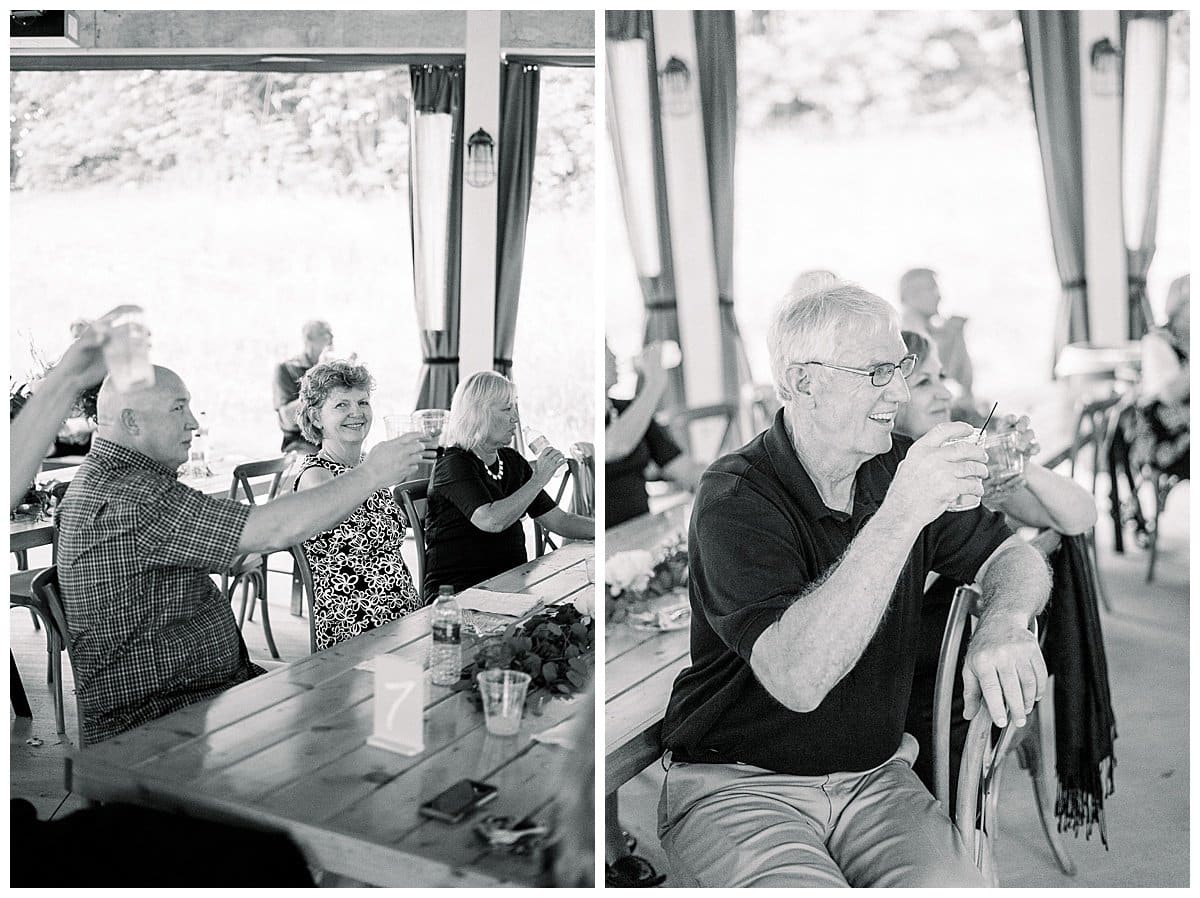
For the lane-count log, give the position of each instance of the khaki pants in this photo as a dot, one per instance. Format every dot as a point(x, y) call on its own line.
point(737, 825)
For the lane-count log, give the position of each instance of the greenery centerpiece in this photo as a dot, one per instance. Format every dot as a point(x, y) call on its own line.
point(649, 588)
point(555, 647)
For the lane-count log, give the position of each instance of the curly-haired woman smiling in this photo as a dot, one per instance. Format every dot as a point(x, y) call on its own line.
point(360, 579)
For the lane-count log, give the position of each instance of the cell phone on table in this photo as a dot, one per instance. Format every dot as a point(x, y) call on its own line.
point(459, 801)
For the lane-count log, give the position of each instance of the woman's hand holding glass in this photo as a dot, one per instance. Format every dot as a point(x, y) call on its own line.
point(546, 464)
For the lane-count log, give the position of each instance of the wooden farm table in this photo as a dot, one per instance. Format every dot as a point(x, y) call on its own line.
point(288, 751)
point(23, 535)
point(640, 666)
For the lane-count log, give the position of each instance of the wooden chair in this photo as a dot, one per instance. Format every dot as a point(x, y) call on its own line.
point(413, 497)
point(682, 421)
point(580, 476)
point(249, 572)
point(305, 579)
point(47, 602)
point(976, 807)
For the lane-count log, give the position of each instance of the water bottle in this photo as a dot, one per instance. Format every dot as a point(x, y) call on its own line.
point(198, 453)
point(445, 655)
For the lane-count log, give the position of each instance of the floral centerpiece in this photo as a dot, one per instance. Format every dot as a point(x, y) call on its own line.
point(555, 647)
point(648, 588)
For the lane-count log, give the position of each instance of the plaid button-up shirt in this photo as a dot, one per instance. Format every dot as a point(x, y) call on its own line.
point(149, 630)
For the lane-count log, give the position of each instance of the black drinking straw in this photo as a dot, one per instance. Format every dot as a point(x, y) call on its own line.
point(983, 429)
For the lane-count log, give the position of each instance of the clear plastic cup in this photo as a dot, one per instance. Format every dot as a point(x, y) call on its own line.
point(1006, 463)
point(127, 352)
point(429, 422)
point(966, 501)
point(396, 425)
point(503, 694)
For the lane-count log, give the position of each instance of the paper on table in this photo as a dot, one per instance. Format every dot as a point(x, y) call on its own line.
point(511, 604)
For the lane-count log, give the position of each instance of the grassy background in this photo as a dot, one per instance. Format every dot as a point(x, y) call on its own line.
point(967, 202)
point(228, 276)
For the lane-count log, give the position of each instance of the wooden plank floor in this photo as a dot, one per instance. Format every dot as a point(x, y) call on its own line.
point(1147, 642)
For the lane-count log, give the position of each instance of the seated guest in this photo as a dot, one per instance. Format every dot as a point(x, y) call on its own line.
point(481, 488)
point(1164, 394)
point(150, 632)
point(1041, 499)
point(633, 439)
point(360, 579)
point(787, 762)
point(919, 301)
point(318, 338)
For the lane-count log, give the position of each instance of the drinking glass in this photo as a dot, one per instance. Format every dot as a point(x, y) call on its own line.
point(429, 422)
point(1006, 463)
point(396, 425)
point(503, 693)
point(966, 501)
point(127, 352)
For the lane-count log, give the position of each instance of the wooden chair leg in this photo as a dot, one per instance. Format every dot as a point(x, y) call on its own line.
point(1029, 755)
point(1160, 499)
point(56, 689)
point(266, 616)
point(16, 689)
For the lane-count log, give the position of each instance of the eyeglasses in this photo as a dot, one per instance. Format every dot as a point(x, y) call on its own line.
point(881, 375)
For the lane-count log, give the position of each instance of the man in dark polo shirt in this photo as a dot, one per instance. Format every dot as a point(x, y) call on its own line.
point(787, 760)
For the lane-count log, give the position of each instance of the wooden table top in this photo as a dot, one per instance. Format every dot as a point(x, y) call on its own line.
point(288, 750)
point(640, 666)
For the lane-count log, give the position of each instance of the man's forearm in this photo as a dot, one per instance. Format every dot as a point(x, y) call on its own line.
point(823, 634)
point(293, 518)
point(1015, 586)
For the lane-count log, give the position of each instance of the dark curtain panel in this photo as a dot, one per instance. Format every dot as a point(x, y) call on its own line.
point(435, 211)
point(716, 50)
point(1143, 113)
point(1052, 58)
point(636, 134)
point(519, 90)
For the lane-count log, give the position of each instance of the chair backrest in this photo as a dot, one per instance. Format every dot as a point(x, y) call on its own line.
point(46, 597)
point(978, 779)
point(256, 470)
point(310, 592)
point(682, 421)
point(413, 497)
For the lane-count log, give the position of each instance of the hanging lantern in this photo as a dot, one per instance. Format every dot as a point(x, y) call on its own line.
point(481, 159)
point(675, 87)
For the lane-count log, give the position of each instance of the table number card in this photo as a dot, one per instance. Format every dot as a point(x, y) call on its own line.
point(399, 706)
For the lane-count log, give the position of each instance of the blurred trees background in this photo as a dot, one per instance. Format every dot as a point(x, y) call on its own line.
point(344, 133)
point(867, 70)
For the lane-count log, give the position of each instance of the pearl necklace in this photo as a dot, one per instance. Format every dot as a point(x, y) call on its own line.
point(499, 475)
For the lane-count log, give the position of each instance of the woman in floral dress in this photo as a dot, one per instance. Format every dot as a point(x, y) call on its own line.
point(360, 579)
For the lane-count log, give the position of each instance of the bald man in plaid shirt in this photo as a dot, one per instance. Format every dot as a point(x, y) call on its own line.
point(150, 632)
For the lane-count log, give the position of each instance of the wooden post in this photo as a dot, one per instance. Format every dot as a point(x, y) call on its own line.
point(1104, 238)
point(481, 109)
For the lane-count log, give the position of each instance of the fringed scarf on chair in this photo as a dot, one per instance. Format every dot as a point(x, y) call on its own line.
point(1083, 716)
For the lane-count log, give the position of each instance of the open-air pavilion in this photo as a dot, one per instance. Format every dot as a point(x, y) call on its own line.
point(1097, 84)
point(469, 127)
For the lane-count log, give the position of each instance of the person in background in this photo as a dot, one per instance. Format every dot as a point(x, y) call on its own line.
point(359, 577)
point(1040, 499)
point(1164, 394)
point(149, 630)
point(919, 301)
point(481, 488)
point(318, 338)
point(633, 439)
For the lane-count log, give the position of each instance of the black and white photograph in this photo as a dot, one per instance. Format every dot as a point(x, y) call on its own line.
point(897, 448)
point(302, 402)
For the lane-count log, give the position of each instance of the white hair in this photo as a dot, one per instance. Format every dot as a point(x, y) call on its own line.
point(812, 326)
point(471, 408)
